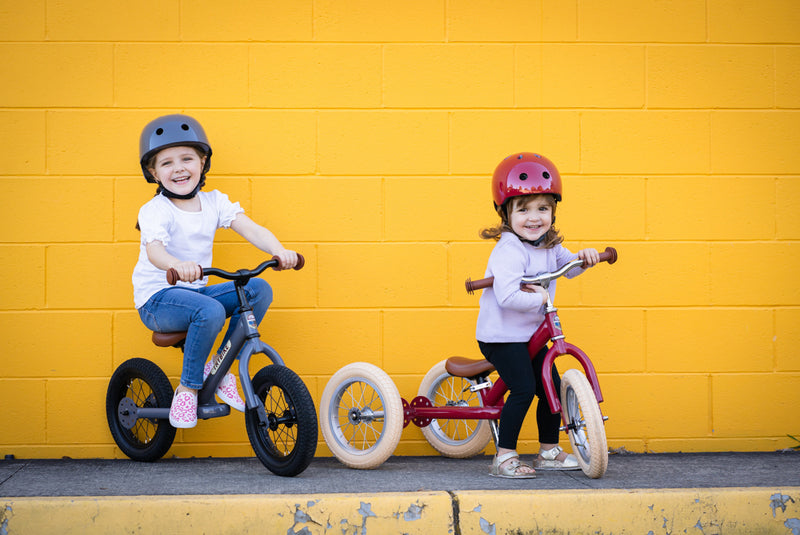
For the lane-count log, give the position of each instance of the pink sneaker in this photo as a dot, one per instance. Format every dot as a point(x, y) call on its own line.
point(183, 411)
point(226, 391)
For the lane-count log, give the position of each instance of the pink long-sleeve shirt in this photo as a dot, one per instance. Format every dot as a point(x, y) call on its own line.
point(508, 314)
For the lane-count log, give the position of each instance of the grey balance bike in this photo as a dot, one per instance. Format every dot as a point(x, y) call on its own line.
point(280, 415)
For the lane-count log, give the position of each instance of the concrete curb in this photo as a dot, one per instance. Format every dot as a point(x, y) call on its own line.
point(640, 511)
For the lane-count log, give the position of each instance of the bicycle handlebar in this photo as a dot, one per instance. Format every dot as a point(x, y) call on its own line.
point(173, 278)
point(609, 255)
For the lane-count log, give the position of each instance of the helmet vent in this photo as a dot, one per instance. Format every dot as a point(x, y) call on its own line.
point(546, 174)
point(185, 126)
point(159, 131)
point(523, 176)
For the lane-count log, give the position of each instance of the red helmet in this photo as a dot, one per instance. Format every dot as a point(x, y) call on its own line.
point(525, 173)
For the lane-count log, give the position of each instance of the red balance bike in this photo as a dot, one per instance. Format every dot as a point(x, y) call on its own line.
point(458, 407)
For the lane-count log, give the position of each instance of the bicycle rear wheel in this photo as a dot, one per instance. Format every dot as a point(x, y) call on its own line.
point(585, 425)
point(139, 383)
point(286, 443)
point(453, 438)
point(361, 415)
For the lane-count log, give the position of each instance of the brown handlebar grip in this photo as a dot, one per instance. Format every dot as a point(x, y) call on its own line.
point(173, 278)
point(609, 255)
point(479, 284)
point(301, 261)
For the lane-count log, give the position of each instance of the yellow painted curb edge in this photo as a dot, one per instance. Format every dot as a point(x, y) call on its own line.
point(641, 511)
point(414, 513)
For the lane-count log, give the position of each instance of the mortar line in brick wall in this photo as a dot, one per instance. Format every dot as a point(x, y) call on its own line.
point(442, 43)
point(646, 74)
point(382, 235)
point(422, 109)
point(401, 176)
point(317, 171)
point(774, 341)
point(434, 308)
point(382, 103)
point(775, 183)
point(775, 78)
point(445, 25)
point(315, 247)
point(714, 241)
point(710, 394)
point(382, 339)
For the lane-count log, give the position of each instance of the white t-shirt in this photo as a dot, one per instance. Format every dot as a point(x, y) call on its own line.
point(185, 235)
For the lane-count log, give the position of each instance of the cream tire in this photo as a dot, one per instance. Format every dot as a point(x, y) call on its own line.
point(361, 415)
point(453, 438)
point(586, 429)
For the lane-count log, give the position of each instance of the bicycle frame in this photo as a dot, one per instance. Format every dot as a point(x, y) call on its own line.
point(421, 412)
point(245, 341)
point(492, 397)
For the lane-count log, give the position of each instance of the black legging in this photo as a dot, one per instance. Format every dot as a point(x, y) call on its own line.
point(524, 380)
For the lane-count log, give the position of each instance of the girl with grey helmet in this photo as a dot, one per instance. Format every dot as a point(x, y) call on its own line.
point(177, 231)
point(173, 131)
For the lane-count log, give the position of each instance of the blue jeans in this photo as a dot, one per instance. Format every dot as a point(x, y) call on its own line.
point(202, 312)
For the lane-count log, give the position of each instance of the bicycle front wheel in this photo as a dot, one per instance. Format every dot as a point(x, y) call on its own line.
point(361, 415)
point(453, 438)
point(287, 441)
point(585, 425)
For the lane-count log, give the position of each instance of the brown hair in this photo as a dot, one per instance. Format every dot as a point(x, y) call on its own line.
point(552, 238)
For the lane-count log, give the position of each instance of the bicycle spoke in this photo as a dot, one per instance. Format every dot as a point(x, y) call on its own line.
point(366, 432)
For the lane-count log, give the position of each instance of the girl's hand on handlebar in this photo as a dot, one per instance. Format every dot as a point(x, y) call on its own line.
point(287, 259)
point(535, 289)
point(589, 256)
point(187, 270)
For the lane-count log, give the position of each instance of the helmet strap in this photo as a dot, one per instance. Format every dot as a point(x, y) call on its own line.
point(191, 195)
point(538, 241)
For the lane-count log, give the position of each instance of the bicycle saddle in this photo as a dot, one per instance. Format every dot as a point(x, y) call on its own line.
point(169, 339)
point(464, 367)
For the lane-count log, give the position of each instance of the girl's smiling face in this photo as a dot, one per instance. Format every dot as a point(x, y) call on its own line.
point(531, 218)
point(178, 169)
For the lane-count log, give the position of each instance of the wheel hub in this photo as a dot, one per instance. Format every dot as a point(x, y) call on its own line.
point(360, 415)
point(126, 411)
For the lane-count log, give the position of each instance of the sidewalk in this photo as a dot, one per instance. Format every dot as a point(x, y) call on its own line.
point(652, 493)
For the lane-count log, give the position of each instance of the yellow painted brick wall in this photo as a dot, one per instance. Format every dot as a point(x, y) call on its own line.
point(364, 133)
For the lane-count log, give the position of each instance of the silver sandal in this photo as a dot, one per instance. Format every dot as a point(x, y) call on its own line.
point(547, 460)
point(510, 469)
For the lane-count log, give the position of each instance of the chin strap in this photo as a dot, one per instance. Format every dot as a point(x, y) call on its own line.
point(538, 241)
point(192, 194)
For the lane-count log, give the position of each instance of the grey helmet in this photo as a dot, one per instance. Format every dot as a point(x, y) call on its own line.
point(172, 131)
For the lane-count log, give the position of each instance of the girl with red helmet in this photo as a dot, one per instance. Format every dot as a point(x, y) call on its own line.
point(177, 231)
point(525, 188)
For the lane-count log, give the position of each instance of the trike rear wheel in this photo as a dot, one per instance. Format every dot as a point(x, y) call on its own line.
point(287, 441)
point(453, 438)
point(139, 382)
point(361, 415)
point(585, 426)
